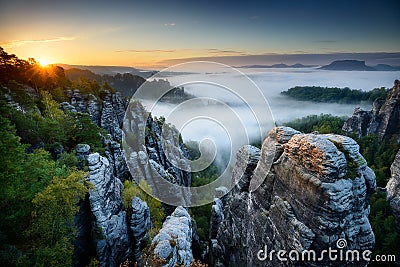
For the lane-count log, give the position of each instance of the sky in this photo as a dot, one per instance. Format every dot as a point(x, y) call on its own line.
point(156, 34)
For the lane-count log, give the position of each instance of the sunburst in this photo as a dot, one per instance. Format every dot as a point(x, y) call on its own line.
point(43, 62)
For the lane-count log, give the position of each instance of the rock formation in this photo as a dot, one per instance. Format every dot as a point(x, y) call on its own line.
point(383, 119)
point(110, 228)
point(155, 151)
point(115, 156)
point(349, 65)
point(393, 188)
point(140, 225)
point(173, 243)
point(107, 112)
point(101, 219)
point(82, 154)
point(316, 192)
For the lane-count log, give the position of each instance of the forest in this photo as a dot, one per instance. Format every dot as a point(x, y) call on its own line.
point(334, 94)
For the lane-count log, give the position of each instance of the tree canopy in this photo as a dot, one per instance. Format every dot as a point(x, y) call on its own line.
point(334, 94)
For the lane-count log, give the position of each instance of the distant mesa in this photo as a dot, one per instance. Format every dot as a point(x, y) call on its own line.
point(347, 65)
point(278, 66)
point(385, 67)
point(357, 65)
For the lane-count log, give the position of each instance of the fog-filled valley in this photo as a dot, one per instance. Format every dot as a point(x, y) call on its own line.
point(271, 82)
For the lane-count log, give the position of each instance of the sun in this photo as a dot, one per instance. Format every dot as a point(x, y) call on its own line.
point(43, 62)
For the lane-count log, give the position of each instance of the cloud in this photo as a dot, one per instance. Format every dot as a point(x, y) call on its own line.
point(206, 51)
point(327, 41)
point(170, 24)
point(15, 43)
point(221, 52)
point(146, 51)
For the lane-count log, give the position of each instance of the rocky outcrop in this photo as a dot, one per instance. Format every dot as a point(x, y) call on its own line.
point(383, 119)
point(393, 188)
point(108, 226)
point(82, 154)
point(217, 216)
point(107, 112)
point(348, 65)
point(155, 152)
point(115, 156)
point(112, 114)
point(140, 225)
point(316, 193)
point(172, 245)
point(111, 236)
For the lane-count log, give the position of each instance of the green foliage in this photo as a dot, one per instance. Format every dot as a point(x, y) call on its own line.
point(52, 230)
point(131, 190)
point(12, 68)
point(18, 94)
point(202, 216)
point(21, 177)
point(94, 263)
point(92, 86)
point(55, 126)
point(38, 194)
point(126, 83)
point(379, 155)
point(334, 94)
point(67, 160)
point(206, 176)
point(387, 238)
point(324, 123)
point(84, 131)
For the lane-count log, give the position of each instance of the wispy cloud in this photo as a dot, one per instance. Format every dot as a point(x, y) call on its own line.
point(146, 51)
point(206, 51)
point(14, 43)
point(170, 24)
point(325, 41)
point(254, 17)
point(215, 51)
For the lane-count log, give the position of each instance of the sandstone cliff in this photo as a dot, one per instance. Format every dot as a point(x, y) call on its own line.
point(393, 188)
point(102, 221)
point(316, 192)
point(383, 119)
point(111, 237)
point(173, 244)
point(155, 152)
point(140, 225)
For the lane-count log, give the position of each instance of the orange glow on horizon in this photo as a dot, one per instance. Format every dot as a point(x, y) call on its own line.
point(43, 62)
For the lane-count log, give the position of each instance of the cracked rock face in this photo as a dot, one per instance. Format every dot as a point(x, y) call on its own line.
point(140, 225)
point(109, 224)
point(393, 188)
point(173, 243)
point(158, 162)
point(383, 119)
point(107, 113)
point(316, 192)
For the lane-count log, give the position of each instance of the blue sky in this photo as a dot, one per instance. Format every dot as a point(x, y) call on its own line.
point(156, 33)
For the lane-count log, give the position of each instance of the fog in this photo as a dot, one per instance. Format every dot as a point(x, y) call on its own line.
point(230, 119)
